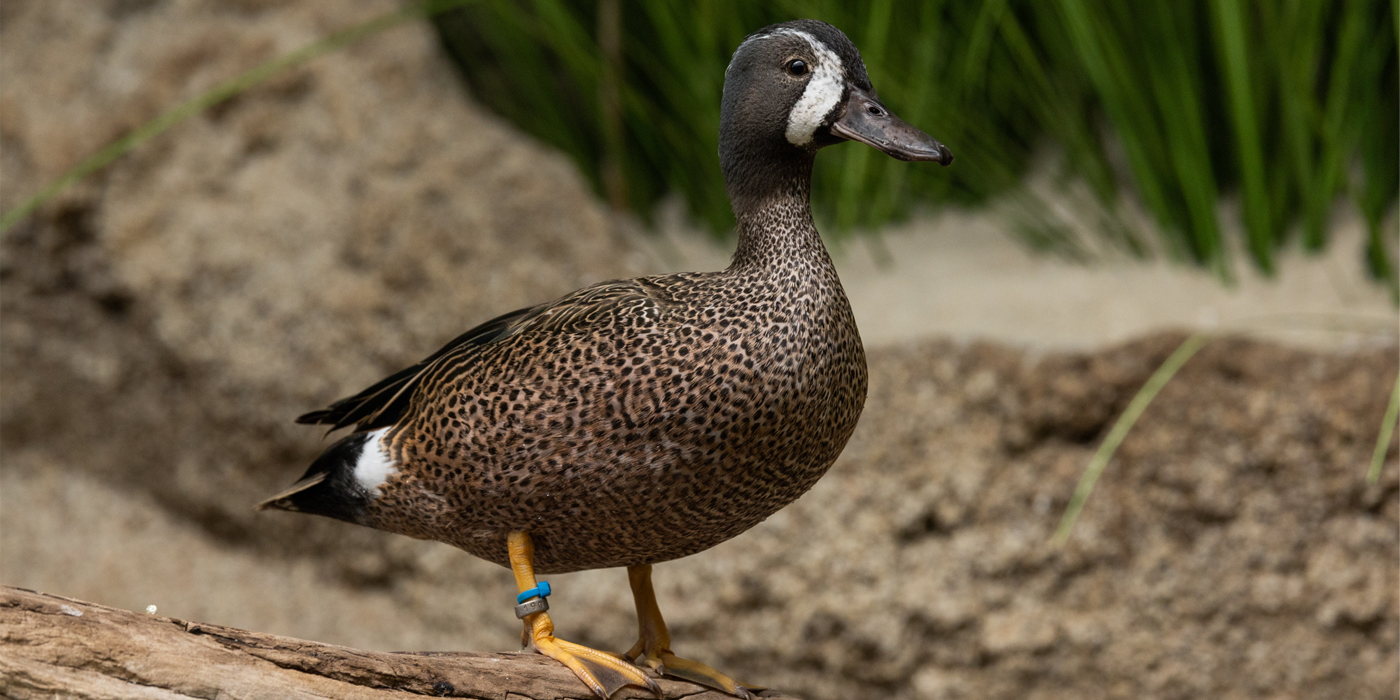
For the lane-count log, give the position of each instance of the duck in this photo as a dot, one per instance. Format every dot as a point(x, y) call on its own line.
point(637, 421)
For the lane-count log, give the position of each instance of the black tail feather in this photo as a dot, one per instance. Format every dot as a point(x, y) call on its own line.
point(328, 487)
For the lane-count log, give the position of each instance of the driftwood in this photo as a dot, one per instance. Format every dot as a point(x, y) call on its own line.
point(52, 646)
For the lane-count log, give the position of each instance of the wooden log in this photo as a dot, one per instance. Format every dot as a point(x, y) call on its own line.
point(52, 646)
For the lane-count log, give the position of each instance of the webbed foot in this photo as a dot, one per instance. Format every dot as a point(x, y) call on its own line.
point(653, 647)
point(603, 672)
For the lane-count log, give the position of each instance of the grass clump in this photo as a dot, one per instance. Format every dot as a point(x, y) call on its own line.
point(1288, 106)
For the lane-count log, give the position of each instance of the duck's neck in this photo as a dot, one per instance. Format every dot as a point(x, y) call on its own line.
point(770, 193)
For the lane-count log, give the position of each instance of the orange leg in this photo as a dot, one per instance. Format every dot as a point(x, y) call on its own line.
point(602, 672)
point(654, 642)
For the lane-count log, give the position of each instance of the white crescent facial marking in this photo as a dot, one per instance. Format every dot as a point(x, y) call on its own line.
point(823, 91)
point(374, 466)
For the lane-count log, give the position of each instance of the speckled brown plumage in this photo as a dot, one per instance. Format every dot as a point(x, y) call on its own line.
point(637, 421)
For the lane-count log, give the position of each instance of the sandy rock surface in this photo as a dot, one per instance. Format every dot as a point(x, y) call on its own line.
point(161, 325)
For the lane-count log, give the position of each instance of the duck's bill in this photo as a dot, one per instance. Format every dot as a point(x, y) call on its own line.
point(869, 122)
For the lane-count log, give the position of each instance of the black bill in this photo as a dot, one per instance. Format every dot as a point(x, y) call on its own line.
point(869, 122)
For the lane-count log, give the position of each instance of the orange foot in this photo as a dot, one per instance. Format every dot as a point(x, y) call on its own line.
point(653, 647)
point(604, 673)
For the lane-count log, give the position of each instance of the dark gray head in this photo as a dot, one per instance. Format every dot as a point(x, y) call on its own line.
point(791, 89)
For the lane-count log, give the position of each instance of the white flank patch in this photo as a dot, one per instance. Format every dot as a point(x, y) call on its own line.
point(374, 466)
point(823, 91)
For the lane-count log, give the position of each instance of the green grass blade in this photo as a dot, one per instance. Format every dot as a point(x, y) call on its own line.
point(1392, 412)
point(1120, 430)
point(1335, 140)
point(1105, 61)
point(1233, 47)
point(1293, 43)
point(1176, 87)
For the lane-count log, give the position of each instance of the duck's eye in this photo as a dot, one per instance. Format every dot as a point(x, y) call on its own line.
point(797, 67)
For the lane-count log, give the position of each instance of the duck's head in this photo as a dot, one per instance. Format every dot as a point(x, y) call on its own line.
point(793, 88)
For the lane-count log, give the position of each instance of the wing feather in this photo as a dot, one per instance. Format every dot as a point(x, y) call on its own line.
point(385, 403)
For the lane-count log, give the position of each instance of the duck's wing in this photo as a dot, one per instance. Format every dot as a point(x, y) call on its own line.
point(384, 403)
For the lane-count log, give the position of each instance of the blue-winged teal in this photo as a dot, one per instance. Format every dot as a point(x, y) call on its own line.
point(637, 421)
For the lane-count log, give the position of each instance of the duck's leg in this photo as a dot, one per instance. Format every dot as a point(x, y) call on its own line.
point(602, 672)
point(654, 642)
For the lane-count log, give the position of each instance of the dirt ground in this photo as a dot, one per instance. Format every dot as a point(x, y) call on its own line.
point(160, 325)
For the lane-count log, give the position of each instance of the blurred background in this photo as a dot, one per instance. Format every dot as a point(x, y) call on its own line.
point(1284, 108)
point(1125, 173)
